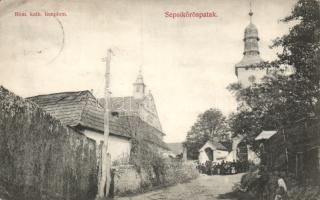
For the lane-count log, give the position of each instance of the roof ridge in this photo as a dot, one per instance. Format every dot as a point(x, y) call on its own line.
point(122, 96)
point(51, 94)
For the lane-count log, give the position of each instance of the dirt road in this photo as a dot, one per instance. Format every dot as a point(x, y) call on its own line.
point(203, 188)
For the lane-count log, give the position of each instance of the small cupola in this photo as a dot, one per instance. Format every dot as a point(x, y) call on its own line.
point(139, 87)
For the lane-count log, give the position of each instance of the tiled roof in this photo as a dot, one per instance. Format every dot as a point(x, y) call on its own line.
point(127, 103)
point(218, 145)
point(83, 109)
point(140, 129)
point(213, 145)
point(150, 134)
point(227, 145)
point(78, 108)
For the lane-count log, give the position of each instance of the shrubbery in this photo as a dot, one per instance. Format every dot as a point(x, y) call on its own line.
point(161, 171)
point(262, 185)
point(305, 193)
point(39, 157)
point(151, 168)
point(179, 172)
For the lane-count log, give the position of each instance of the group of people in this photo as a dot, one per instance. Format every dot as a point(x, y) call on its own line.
point(223, 168)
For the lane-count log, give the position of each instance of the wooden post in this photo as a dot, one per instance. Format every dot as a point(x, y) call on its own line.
point(185, 154)
point(318, 159)
point(104, 185)
point(318, 172)
point(297, 165)
point(286, 151)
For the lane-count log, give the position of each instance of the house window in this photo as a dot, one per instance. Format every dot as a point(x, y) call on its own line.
point(115, 114)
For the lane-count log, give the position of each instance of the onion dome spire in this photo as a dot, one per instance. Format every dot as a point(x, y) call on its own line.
point(251, 38)
point(251, 47)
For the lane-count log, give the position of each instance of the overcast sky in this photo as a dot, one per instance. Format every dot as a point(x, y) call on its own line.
point(186, 63)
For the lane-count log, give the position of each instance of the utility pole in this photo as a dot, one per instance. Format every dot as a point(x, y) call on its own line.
point(105, 179)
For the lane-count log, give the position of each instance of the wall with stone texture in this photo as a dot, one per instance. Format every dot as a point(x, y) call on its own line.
point(40, 158)
point(127, 179)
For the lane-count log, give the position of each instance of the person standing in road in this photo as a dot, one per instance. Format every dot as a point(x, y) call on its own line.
point(281, 192)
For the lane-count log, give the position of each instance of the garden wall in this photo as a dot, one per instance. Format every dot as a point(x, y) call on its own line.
point(41, 158)
point(127, 179)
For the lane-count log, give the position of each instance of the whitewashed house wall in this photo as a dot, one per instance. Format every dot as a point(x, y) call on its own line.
point(118, 147)
point(218, 155)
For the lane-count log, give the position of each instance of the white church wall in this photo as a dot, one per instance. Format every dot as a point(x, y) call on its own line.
point(245, 74)
point(118, 147)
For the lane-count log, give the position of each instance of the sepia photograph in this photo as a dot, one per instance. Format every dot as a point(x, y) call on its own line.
point(159, 100)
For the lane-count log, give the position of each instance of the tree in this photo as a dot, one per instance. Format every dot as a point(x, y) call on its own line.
point(281, 100)
point(210, 125)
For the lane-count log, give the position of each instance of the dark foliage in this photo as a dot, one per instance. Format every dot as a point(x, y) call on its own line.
point(283, 99)
point(210, 125)
point(40, 158)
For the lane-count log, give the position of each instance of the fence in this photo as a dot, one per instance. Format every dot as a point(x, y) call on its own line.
point(295, 150)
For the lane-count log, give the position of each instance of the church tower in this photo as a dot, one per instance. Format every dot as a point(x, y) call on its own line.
point(139, 87)
point(247, 70)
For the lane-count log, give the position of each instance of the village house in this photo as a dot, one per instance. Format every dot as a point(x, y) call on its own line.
point(213, 151)
point(82, 111)
point(129, 116)
point(237, 150)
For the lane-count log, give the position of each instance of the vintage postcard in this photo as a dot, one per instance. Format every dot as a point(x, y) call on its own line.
point(150, 100)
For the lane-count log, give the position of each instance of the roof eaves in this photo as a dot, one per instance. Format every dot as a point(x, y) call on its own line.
point(83, 126)
point(265, 135)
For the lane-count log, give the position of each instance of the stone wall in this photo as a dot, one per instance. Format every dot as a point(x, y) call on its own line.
point(41, 158)
point(128, 180)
